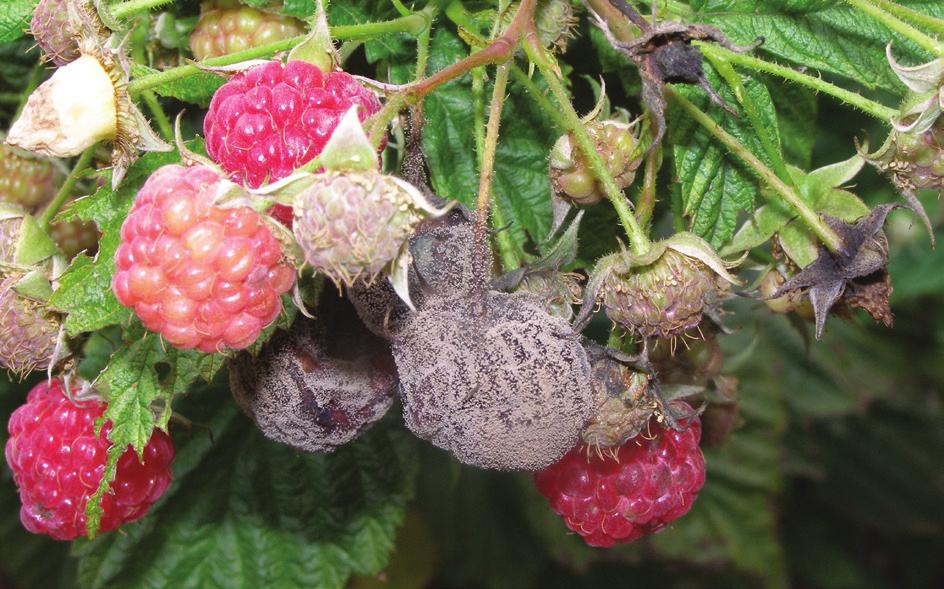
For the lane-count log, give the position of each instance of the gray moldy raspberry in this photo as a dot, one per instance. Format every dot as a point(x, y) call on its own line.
point(317, 386)
point(441, 269)
point(498, 382)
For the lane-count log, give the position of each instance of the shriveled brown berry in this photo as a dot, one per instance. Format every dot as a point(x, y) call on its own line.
point(317, 386)
point(620, 395)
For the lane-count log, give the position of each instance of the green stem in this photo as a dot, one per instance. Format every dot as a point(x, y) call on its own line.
point(134, 7)
point(507, 250)
point(36, 74)
point(768, 141)
point(870, 107)
point(829, 237)
point(934, 24)
point(484, 199)
point(65, 191)
point(413, 24)
point(646, 203)
point(160, 117)
point(506, 247)
point(899, 26)
point(638, 241)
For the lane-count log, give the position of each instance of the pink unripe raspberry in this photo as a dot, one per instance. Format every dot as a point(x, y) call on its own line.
point(58, 463)
point(629, 491)
point(266, 122)
point(53, 31)
point(202, 276)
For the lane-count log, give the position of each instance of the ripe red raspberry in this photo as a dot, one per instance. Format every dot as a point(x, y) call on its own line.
point(266, 122)
point(640, 488)
point(202, 276)
point(58, 462)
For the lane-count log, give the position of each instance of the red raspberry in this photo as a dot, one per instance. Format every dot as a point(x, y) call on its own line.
point(266, 122)
point(645, 485)
point(58, 462)
point(202, 276)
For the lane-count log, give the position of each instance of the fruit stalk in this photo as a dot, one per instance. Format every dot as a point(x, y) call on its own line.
point(506, 248)
point(934, 24)
point(498, 51)
point(870, 107)
point(483, 200)
point(647, 194)
point(413, 24)
point(829, 237)
point(927, 43)
point(768, 141)
point(539, 56)
point(65, 191)
point(134, 7)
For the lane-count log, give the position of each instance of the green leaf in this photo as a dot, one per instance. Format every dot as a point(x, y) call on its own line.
point(15, 17)
point(827, 36)
point(299, 8)
point(715, 185)
point(246, 512)
point(196, 89)
point(796, 116)
point(521, 181)
point(84, 290)
point(132, 385)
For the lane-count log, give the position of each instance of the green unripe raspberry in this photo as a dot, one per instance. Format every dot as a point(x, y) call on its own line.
point(29, 182)
point(227, 27)
point(352, 225)
point(570, 172)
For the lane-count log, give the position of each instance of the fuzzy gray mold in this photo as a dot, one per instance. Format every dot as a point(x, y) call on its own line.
point(316, 388)
point(442, 268)
point(499, 383)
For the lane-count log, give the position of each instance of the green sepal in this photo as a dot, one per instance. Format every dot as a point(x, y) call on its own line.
point(34, 285)
point(34, 244)
point(349, 149)
point(318, 46)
